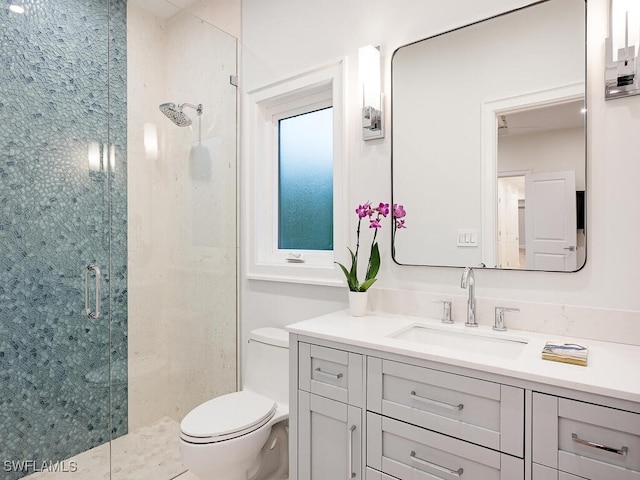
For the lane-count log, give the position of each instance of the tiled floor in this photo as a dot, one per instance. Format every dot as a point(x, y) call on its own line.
point(150, 453)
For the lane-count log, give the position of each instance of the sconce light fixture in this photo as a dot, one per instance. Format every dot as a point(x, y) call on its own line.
point(369, 73)
point(101, 157)
point(94, 154)
point(622, 49)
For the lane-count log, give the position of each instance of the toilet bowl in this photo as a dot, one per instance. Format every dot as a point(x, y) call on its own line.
point(243, 435)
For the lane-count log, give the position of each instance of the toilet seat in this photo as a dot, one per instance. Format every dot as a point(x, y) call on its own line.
point(227, 417)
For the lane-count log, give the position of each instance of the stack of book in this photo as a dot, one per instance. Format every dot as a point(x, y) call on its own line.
point(565, 353)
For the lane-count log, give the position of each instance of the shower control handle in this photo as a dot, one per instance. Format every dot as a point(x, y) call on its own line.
point(92, 268)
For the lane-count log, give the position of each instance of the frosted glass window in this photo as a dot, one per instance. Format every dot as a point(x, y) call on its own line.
point(305, 181)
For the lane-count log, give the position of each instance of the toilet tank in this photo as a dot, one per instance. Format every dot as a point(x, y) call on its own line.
point(267, 369)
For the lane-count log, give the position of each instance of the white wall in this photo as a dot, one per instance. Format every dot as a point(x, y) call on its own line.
point(282, 38)
point(551, 151)
point(224, 14)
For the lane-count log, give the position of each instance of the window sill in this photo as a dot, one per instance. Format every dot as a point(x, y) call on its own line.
point(296, 273)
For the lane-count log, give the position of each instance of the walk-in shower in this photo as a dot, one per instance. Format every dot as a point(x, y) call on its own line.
point(117, 284)
point(176, 114)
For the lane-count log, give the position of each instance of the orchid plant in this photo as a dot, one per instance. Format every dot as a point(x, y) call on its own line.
point(374, 215)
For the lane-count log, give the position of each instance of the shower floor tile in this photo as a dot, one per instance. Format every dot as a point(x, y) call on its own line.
point(150, 453)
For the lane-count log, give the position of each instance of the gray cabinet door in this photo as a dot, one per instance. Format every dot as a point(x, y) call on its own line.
point(329, 439)
point(540, 472)
point(586, 440)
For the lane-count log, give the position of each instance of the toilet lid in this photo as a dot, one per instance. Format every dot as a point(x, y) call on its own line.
point(227, 417)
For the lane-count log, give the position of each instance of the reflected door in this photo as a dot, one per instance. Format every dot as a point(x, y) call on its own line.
point(550, 221)
point(508, 230)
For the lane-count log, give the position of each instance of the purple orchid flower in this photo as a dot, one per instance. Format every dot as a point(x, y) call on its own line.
point(375, 216)
point(364, 210)
point(383, 209)
point(398, 211)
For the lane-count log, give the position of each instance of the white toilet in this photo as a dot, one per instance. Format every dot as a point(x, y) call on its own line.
point(244, 435)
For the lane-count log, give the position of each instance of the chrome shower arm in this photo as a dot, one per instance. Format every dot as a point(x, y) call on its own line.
point(197, 108)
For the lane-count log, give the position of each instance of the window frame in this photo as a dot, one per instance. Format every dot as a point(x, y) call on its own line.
point(298, 108)
point(305, 93)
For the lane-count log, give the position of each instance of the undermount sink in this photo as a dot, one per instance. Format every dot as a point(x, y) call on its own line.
point(479, 342)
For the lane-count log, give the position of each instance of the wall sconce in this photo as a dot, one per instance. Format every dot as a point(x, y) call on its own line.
point(94, 155)
point(101, 157)
point(151, 141)
point(621, 56)
point(369, 67)
point(112, 157)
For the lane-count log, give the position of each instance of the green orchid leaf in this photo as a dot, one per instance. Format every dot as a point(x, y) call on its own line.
point(344, 269)
point(353, 286)
point(374, 262)
point(353, 273)
point(366, 284)
point(354, 263)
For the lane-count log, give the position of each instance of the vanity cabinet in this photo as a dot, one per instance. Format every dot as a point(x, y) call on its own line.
point(410, 452)
point(330, 439)
point(394, 420)
point(329, 411)
point(540, 472)
point(484, 413)
point(331, 373)
point(376, 475)
point(427, 423)
point(590, 441)
point(363, 413)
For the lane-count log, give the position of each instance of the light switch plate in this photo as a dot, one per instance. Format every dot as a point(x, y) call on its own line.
point(467, 237)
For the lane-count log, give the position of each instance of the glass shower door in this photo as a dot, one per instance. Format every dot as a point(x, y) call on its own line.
point(60, 143)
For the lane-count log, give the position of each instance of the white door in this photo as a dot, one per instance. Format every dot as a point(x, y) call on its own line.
point(550, 221)
point(508, 242)
point(502, 237)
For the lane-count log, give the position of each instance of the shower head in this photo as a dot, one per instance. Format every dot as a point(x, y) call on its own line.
point(174, 113)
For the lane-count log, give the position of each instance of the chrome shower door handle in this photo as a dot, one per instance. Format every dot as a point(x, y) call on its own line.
point(92, 268)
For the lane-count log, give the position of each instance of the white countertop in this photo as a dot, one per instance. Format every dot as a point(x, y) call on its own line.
point(613, 368)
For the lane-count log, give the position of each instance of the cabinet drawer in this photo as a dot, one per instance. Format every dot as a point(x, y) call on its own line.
point(591, 441)
point(376, 475)
point(485, 413)
point(331, 373)
point(406, 451)
point(541, 472)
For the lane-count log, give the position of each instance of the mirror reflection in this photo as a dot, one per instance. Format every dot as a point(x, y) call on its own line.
point(488, 141)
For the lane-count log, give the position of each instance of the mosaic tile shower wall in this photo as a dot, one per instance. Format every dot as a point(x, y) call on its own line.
point(62, 107)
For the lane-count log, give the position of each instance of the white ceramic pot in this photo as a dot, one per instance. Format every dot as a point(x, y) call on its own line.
point(358, 303)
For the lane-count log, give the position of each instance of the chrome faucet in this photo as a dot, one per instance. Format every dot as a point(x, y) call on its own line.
point(469, 281)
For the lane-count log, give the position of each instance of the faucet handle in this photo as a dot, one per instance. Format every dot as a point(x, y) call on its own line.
point(446, 313)
point(499, 317)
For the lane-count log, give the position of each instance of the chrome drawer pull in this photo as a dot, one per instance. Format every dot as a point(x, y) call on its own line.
point(337, 376)
point(436, 403)
point(455, 473)
point(623, 451)
point(352, 474)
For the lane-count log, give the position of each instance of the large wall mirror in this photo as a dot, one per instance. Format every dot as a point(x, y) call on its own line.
point(488, 142)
